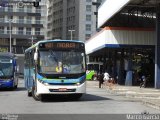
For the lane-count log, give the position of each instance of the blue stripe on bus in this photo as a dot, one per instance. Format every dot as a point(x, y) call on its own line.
point(60, 80)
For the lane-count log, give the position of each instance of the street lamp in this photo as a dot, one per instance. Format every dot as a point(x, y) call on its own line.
point(97, 4)
point(10, 33)
point(71, 32)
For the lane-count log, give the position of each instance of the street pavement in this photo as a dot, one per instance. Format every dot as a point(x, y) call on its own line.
point(95, 101)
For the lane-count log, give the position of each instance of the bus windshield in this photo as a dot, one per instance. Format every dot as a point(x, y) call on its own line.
point(61, 62)
point(6, 68)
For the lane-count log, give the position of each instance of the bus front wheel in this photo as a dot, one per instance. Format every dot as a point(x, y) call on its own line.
point(29, 93)
point(75, 96)
point(15, 87)
point(37, 98)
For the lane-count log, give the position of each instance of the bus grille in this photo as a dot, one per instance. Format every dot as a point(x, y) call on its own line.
point(57, 90)
point(62, 83)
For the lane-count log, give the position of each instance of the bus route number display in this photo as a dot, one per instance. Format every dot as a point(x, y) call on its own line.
point(62, 45)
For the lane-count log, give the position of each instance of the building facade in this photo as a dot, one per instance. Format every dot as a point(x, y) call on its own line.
point(129, 43)
point(21, 24)
point(71, 19)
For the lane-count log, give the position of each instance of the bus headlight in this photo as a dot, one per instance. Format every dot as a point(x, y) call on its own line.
point(82, 81)
point(8, 81)
point(45, 84)
point(78, 84)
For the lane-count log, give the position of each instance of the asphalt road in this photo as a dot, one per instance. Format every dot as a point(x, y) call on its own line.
point(96, 101)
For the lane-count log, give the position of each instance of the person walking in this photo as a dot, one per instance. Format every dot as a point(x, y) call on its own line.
point(100, 79)
point(106, 78)
point(143, 81)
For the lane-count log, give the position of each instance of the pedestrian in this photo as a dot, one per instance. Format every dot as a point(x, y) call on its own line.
point(143, 81)
point(106, 78)
point(100, 79)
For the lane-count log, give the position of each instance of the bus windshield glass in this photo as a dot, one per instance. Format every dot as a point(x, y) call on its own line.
point(6, 67)
point(61, 62)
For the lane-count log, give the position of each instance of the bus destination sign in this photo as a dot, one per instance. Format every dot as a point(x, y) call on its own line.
point(62, 45)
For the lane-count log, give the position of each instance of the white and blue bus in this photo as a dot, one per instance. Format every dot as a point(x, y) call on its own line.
point(8, 71)
point(55, 67)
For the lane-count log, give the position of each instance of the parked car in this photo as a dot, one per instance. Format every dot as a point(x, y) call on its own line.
point(92, 70)
point(91, 75)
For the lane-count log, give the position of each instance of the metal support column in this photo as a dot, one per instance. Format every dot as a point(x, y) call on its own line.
point(114, 72)
point(121, 69)
point(129, 74)
point(104, 60)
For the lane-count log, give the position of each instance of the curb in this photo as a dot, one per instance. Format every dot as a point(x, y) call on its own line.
point(150, 99)
point(132, 94)
point(151, 104)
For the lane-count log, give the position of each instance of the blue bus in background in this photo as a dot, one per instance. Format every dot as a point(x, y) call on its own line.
point(55, 67)
point(8, 71)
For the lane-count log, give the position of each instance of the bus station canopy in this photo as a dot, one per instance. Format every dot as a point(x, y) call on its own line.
point(117, 37)
point(138, 8)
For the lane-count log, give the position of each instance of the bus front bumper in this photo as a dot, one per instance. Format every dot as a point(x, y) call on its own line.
point(6, 83)
point(63, 89)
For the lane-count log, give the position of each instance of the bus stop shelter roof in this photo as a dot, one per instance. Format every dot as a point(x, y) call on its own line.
point(111, 7)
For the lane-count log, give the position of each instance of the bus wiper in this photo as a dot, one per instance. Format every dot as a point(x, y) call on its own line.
point(52, 54)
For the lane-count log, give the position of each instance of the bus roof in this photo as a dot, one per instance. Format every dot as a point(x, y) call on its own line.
point(45, 41)
point(11, 55)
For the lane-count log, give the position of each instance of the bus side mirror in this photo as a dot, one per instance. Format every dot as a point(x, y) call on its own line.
point(35, 56)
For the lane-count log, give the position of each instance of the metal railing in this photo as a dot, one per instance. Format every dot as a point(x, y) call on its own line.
point(6, 9)
point(24, 21)
point(21, 32)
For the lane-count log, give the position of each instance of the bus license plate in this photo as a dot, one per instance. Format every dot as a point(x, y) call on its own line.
point(62, 89)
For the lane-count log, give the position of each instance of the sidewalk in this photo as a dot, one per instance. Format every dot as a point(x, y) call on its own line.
point(148, 96)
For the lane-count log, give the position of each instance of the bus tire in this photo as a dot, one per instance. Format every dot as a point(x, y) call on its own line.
point(42, 98)
point(15, 87)
point(75, 96)
point(29, 93)
point(37, 98)
point(78, 96)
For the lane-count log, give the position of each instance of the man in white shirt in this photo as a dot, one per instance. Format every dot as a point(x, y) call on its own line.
point(106, 79)
point(106, 76)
